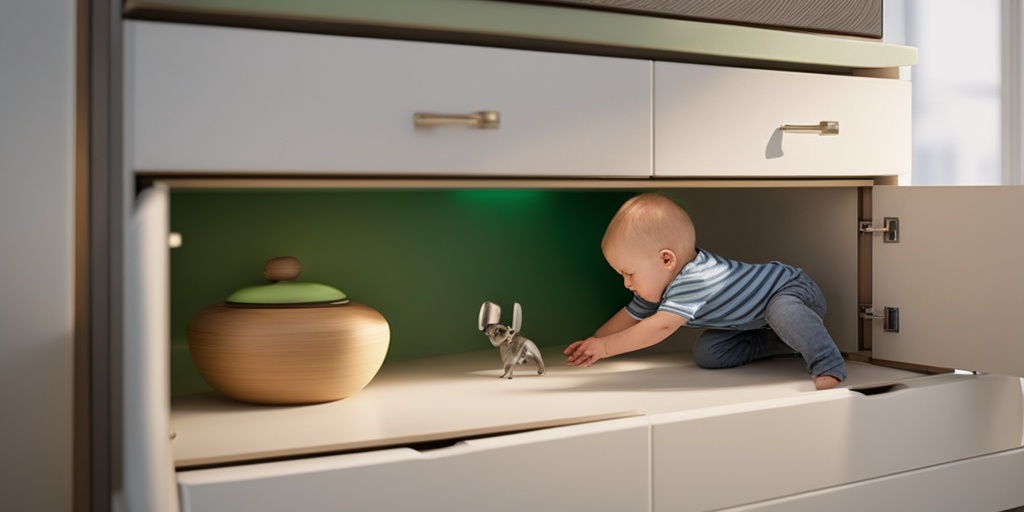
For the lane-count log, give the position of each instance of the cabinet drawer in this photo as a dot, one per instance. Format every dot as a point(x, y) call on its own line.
point(551, 469)
point(759, 451)
point(716, 121)
point(967, 484)
point(239, 100)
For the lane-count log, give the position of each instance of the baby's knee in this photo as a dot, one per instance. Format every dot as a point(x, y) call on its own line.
point(707, 359)
point(784, 305)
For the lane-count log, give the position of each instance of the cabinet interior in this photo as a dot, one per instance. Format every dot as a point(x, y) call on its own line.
point(428, 257)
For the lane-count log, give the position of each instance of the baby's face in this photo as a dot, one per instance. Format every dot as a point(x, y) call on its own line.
point(645, 274)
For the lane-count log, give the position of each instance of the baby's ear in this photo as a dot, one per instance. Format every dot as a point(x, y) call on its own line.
point(668, 259)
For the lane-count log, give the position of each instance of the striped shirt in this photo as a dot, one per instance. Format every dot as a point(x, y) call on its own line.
point(712, 291)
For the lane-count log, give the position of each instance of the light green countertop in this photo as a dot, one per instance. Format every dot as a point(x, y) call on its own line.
point(544, 27)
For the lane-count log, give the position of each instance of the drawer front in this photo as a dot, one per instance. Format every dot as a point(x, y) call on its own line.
point(549, 469)
point(990, 482)
point(716, 121)
point(739, 455)
point(238, 100)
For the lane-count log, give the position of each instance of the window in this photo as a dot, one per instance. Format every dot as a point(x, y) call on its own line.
point(966, 88)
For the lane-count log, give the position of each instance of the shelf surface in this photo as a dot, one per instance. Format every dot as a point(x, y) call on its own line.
point(457, 397)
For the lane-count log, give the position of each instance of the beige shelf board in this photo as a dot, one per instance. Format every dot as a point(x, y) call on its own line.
point(448, 398)
point(286, 180)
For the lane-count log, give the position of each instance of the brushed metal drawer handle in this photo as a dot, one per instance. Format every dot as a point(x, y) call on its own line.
point(484, 119)
point(822, 128)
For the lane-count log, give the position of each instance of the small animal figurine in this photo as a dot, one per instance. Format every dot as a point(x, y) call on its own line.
point(515, 348)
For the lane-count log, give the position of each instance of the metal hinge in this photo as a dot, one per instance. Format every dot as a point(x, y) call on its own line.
point(890, 317)
point(890, 229)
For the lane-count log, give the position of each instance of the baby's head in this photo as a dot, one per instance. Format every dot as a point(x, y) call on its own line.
point(647, 241)
point(651, 222)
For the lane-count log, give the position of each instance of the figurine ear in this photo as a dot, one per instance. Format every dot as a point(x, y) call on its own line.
point(517, 317)
point(490, 313)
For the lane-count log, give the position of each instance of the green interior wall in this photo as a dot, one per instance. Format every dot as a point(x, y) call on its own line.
point(426, 259)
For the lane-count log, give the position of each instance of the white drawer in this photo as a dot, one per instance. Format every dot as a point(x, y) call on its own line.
point(226, 99)
point(717, 121)
point(551, 469)
point(989, 482)
point(738, 455)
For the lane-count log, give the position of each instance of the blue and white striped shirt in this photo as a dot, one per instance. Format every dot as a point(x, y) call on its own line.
point(712, 291)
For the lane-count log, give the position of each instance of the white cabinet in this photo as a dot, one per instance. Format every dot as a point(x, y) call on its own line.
point(694, 451)
point(718, 121)
point(226, 100)
point(215, 101)
point(595, 466)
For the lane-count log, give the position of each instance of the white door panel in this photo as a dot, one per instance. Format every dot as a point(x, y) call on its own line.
point(956, 275)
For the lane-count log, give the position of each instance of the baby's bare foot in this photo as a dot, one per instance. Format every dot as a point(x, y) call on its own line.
point(825, 382)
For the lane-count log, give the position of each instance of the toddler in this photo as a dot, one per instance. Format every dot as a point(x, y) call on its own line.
point(750, 311)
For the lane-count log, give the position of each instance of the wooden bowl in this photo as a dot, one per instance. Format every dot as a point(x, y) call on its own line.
point(288, 354)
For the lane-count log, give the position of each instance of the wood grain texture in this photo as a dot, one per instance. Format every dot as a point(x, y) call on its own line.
point(851, 17)
point(284, 356)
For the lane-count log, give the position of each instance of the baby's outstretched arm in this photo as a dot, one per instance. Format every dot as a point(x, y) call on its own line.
point(642, 334)
point(617, 323)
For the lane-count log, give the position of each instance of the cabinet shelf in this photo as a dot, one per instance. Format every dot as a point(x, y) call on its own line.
point(452, 397)
point(214, 181)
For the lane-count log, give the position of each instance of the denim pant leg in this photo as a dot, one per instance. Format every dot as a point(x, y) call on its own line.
point(720, 348)
point(795, 314)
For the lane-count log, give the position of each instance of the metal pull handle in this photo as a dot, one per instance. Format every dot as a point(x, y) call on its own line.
point(822, 128)
point(484, 119)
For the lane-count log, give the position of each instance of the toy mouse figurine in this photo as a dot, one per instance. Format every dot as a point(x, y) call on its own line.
point(515, 349)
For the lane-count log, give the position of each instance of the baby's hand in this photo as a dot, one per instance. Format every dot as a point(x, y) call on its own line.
point(586, 352)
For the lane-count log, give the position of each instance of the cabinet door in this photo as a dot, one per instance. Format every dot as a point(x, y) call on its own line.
point(955, 276)
point(595, 466)
point(148, 465)
point(216, 99)
point(718, 121)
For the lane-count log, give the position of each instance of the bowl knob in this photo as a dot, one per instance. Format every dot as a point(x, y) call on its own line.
point(283, 268)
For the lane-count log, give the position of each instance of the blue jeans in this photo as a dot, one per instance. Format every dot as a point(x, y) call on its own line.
point(794, 322)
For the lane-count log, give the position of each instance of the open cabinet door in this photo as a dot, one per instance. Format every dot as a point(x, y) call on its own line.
point(956, 276)
point(149, 480)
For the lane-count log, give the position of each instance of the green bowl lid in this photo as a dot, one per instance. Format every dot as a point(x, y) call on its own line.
point(285, 290)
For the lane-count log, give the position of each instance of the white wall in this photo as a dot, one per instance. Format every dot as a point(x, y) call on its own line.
point(36, 253)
